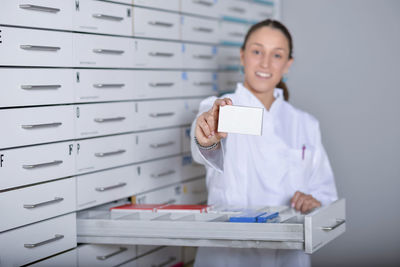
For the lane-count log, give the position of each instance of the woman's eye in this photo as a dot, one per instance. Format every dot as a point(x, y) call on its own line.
point(256, 52)
point(278, 56)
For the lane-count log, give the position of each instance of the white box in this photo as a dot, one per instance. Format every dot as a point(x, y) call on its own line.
point(239, 119)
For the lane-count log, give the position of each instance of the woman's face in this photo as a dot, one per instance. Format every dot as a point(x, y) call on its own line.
point(265, 59)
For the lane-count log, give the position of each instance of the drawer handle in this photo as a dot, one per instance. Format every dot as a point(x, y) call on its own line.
point(40, 87)
point(40, 165)
point(43, 125)
point(199, 192)
point(102, 189)
point(161, 84)
point(236, 34)
point(105, 257)
point(107, 17)
point(101, 120)
point(165, 114)
point(55, 238)
point(231, 83)
point(170, 143)
point(108, 85)
point(171, 201)
point(233, 58)
point(108, 51)
point(105, 154)
point(202, 29)
point(162, 24)
point(40, 48)
point(203, 56)
point(165, 263)
point(162, 174)
point(204, 3)
point(237, 9)
point(161, 54)
point(32, 206)
point(339, 222)
point(40, 8)
point(203, 83)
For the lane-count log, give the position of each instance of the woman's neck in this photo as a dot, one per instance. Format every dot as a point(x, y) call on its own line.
point(266, 98)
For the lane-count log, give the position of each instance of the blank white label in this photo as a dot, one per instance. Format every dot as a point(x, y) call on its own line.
point(242, 120)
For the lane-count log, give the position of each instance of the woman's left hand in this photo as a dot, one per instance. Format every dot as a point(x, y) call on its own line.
point(303, 202)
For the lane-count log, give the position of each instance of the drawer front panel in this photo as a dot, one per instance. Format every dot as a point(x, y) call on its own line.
point(200, 84)
point(233, 32)
point(191, 107)
point(172, 5)
point(103, 17)
point(103, 119)
point(39, 13)
point(167, 256)
point(168, 195)
point(103, 85)
point(199, 30)
point(201, 7)
point(25, 205)
point(157, 84)
point(105, 152)
point(102, 51)
point(105, 255)
point(26, 126)
point(200, 56)
point(227, 81)
point(66, 259)
point(102, 187)
point(191, 169)
point(259, 12)
point(156, 54)
point(155, 24)
point(23, 47)
point(235, 9)
point(194, 192)
point(37, 241)
point(25, 87)
point(23, 166)
point(228, 56)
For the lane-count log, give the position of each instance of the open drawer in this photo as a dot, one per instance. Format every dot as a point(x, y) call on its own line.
point(292, 231)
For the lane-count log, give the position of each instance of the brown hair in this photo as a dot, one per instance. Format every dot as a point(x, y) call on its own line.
point(274, 24)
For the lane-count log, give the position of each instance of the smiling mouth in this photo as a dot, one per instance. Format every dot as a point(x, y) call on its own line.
point(263, 74)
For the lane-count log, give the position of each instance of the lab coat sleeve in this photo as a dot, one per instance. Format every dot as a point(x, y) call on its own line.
point(322, 183)
point(211, 158)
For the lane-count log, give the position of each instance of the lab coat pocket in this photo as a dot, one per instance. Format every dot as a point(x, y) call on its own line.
point(300, 167)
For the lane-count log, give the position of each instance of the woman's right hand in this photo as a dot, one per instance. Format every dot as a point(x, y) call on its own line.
point(207, 124)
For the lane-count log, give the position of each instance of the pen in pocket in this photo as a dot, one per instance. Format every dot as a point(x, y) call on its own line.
point(303, 151)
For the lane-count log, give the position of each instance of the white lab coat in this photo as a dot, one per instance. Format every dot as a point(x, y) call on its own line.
point(265, 171)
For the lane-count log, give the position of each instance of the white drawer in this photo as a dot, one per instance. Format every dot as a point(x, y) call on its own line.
point(157, 54)
point(228, 56)
point(54, 14)
point(23, 47)
point(26, 126)
point(28, 165)
point(199, 29)
point(259, 12)
point(191, 107)
point(233, 33)
point(168, 195)
point(167, 256)
point(103, 85)
point(159, 173)
point(200, 56)
point(103, 119)
point(104, 152)
point(66, 259)
point(37, 241)
point(185, 137)
point(157, 84)
point(103, 17)
point(227, 81)
point(201, 7)
point(25, 87)
point(194, 192)
point(141, 249)
point(160, 4)
point(200, 84)
point(155, 24)
point(102, 187)
point(191, 169)
point(157, 144)
point(36, 203)
point(104, 255)
point(236, 9)
point(102, 51)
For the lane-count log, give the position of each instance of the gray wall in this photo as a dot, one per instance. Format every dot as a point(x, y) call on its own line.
point(347, 74)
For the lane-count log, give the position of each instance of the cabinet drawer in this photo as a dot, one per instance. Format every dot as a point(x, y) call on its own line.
point(36, 203)
point(37, 241)
point(101, 187)
point(104, 255)
point(200, 56)
point(157, 144)
point(191, 169)
point(155, 24)
point(199, 29)
point(201, 7)
point(66, 259)
point(234, 9)
point(167, 256)
point(233, 33)
point(103, 85)
point(29, 165)
point(25, 87)
point(194, 192)
point(157, 84)
point(104, 152)
point(168, 195)
point(157, 54)
point(102, 51)
point(53, 14)
point(227, 81)
point(172, 5)
point(23, 47)
point(228, 57)
point(200, 84)
point(103, 17)
point(103, 119)
point(185, 137)
point(26, 126)
point(191, 107)
point(259, 12)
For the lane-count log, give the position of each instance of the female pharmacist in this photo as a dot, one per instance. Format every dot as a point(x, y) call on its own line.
point(287, 165)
